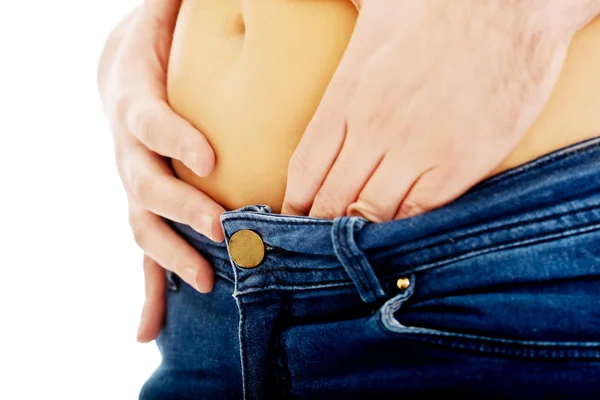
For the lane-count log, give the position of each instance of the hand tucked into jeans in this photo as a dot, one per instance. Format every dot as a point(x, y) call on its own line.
point(430, 96)
point(132, 84)
point(428, 99)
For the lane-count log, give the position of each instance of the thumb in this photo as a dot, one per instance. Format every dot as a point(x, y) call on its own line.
point(164, 12)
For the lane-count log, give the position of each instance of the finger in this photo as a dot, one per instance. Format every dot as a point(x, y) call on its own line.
point(440, 183)
point(325, 134)
point(164, 132)
point(403, 186)
point(313, 157)
point(168, 249)
point(157, 190)
point(381, 196)
point(435, 188)
point(346, 177)
point(153, 312)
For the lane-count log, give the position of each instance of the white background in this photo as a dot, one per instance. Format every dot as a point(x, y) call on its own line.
point(71, 284)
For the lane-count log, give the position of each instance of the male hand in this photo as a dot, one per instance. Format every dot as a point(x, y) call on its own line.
point(132, 84)
point(428, 99)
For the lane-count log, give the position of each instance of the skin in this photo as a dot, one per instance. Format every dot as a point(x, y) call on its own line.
point(132, 85)
point(236, 100)
point(479, 75)
point(256, 96)
point(147, 132)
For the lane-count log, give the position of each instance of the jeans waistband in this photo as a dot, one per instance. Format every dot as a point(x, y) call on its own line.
point(547, 197)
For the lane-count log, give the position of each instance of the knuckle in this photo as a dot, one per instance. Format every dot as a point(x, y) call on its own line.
point(142, 187)
point(141, 224)
point(298, 184)
point(119, 158)
point(120, 110)
point(120, 153)
point(411, 207)
point(326, 205)
point(144, 126)
point(191, 212)
point(175, 259)
point(346, 76)
point(123, 157)
point(300, 169)
point(299, 165)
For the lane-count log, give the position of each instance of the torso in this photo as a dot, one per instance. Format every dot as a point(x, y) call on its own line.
point(250, 74)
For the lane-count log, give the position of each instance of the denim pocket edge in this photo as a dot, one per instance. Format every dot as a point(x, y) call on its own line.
point(388, 324)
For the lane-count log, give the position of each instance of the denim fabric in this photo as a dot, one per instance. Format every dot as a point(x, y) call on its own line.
point(504, 300)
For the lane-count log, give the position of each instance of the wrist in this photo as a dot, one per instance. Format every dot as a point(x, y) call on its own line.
point(111, 47)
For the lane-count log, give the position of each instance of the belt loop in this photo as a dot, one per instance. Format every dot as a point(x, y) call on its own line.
point(354, 260)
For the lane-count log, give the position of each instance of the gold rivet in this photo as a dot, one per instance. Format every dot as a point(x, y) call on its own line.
point(403, 283)
point(246, 248)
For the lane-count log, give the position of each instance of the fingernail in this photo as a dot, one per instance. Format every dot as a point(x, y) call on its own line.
point(203, 287)
point(198, 165)
point(191, 161)
point(189, 274)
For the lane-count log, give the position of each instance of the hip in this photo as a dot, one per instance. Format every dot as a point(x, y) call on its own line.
point(494, 295)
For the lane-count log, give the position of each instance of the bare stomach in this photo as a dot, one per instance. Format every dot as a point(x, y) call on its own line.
point(250, 75)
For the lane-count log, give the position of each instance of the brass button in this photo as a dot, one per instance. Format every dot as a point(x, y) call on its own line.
point(246, 248)
point(403, 283)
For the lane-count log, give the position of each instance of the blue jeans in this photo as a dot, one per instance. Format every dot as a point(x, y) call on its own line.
point(494, 295)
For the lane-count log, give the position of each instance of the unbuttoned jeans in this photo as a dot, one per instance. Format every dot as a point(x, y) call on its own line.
point(502, 300)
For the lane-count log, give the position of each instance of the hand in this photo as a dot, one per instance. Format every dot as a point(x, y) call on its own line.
point(132, 84)
point(428, 99)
